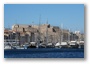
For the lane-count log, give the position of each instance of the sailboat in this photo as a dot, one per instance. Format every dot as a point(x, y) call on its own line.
point(69, 39)
point(48, 44)
point(73, 42)
point(58, 44)
point(80, 43)
point(32, 43)
point(39, 43)
point(7, 42)
point(63, 43)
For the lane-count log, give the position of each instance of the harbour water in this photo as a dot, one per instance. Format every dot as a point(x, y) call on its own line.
point(44, 53)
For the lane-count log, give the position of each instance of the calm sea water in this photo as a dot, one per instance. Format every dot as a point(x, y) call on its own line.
point(32, 53)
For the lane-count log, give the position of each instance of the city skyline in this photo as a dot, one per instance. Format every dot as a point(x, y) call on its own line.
point(70, 15)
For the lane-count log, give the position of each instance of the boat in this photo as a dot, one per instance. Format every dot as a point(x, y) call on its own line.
point(57, 45)
point(64, 45)
point(73, 44)
point(7, 47)
point(32, 45)
point(50, 45)
point(81, 44)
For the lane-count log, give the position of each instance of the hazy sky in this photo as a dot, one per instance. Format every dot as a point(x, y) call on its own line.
point(70, 15)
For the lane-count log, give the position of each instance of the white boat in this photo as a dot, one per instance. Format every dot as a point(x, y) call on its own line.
point(81, 44)
point(57, 45)
point(7, 47)
point(33, 43)
point(50, 45)
point(64, 45)
point(73, 44)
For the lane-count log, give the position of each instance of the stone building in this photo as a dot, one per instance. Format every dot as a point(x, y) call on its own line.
point(27, 33)
point(33, 33)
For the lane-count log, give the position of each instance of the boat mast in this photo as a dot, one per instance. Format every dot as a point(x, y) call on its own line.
point(54, 38)
point(69, 36)
point(16, 32)
point(39, 35)
point(61, 32)
point(9, 39)
point(72, 36)
point(59, 35)
point(9, 34)
point(32, 30)
point(79, 37)
point(47, 33)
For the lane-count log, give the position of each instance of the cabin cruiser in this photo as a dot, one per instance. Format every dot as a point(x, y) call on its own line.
point(41, 45)
point(18, 47)
point(57, 45)
point(73, 44)
point(61, 45)
point(81, 44)
point(7, 47)
point(64, 45)
point(68, 43)
point(32, 45)
point(50, 45)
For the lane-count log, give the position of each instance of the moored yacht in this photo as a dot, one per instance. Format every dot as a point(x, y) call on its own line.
point(57, 45)
point(64, 45)
point(81, 44)
point(7, 47)
point(32, 45)
point(73, 44)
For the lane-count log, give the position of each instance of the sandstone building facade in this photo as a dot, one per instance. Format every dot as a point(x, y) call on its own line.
point(35, 33)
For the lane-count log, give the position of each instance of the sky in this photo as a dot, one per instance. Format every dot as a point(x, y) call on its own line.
point(70, 15)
